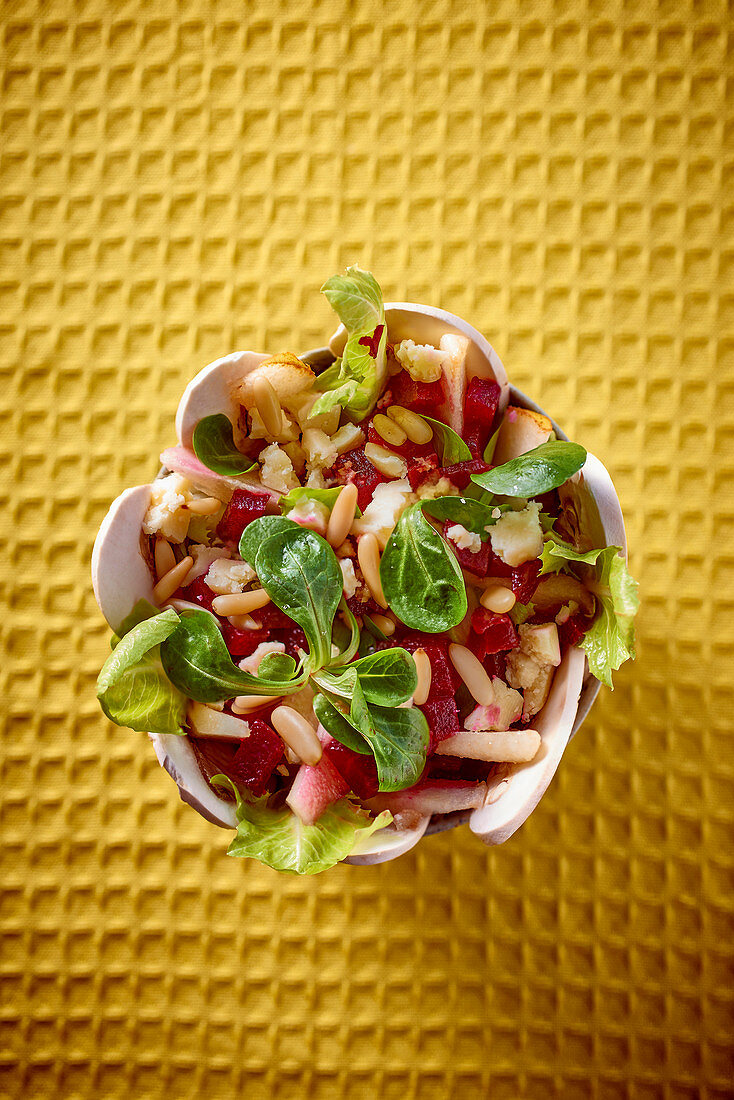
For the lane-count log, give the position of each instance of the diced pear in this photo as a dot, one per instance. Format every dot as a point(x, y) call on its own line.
point(541, 643)
point(208, 722)
point(511, 746)
point(537, 693)
point(522, 430)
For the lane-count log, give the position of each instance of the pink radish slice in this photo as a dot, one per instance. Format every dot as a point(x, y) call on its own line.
point(432, 796)
point(314, 789)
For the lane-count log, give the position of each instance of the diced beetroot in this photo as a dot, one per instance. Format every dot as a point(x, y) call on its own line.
point(358, 770)
point(443, 720)
point(256, 758)
point(243, 508)
point(572, 631)
point(241, 643)
point(523, 578)
point(314, 789)
point(196, 592)
point(497, 632)
point(369, 607)
point(481, 401)
point(422, 397)
point(495, 664)
point(457, 767)
point(421, 469)
point(476, 437)
point(292, 638)
point(443, 678)
point(354, 466)
point(475, 562)
point(460, 472)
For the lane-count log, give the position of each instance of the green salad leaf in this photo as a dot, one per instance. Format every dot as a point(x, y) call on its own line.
point(355, 380)
point(491, 447)
point(276, 666)
point(537, 471)
point(521, 612)
point(387, 677)
point(398, 738)
point(300, 572)
point(470, 513)
point(610, 640)
point(420, 575)
point(336, 723)
point(304, 492)
point(345, 636)
point(259, 531)
point(141, 611)
point(213, 443)
point(132, 688)
point(450, 447)
point(197, 662)
point(279, 839)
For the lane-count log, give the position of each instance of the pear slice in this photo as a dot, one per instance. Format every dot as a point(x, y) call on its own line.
point(522, 430)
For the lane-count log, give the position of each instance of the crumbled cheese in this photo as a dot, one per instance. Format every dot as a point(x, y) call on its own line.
point(496, 513)
point(522, 669)
point(465, 540)
point(310, 513)
point(517, 537)
point(288, 431)
point(315, 479)
point(165, 514)
point(320, 450)
point(252, 663)
point(228, 577)
point(203, 557)
point(347, 438)
point(541, 643)
point(349, 578)
point(422, 361)
point(277, 469)
point(297, 455)
point(441, 488)
point(389, 501)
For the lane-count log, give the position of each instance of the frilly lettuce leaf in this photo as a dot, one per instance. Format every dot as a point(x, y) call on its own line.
point(132, 688)
point(279, 839)
point(610, 641)
point(355, 380)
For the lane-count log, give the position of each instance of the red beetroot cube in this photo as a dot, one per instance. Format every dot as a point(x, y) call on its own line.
point(443, 720)
point(460, 472)
point(495, 664)
point(523, 578)
point(456, 767)
point(421, 469)
point(196, 592)
point(356, 769)
point(481, 401)
point(572, 631)
point(242, 509)
point(354, 466)
point(476, 438)
point(422, 397)
point(475, 562)
point(257, 757)
point(443, 682)
point(292, 638)
point(497, 632)
point(241, 643)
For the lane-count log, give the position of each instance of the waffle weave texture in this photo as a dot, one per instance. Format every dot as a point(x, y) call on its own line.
point(176, 181)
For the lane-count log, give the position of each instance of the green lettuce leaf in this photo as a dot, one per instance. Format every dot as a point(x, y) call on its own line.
point(305, 492)
point(610, 641)
point(279, 839)
point(132, 688)
point(355, 380)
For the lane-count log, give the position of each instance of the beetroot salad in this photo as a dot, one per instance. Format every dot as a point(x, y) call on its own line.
point(352, 589)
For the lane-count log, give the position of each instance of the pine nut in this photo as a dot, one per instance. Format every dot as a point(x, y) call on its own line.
point(368, 555)
point(171, 580)
point(165, 558)
point(415, 427)
point(244, 622)
point(387, 462)
point(206, 506)
point(240, 603)
point(498, 599)
point(387, 626)
point(268, 406)
point(298, 734)
point(390, 431)
point(472, 673)
point(423, 668)
point(243, 704)
point(342, 515)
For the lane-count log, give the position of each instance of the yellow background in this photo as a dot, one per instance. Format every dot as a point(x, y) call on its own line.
point(176, 181)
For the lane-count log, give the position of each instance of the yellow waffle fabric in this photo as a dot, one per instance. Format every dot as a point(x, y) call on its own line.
point(176, 181)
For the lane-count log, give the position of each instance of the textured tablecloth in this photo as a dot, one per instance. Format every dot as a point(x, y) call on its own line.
point(176, 181)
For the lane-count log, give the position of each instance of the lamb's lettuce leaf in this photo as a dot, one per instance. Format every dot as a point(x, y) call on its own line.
point(355, 380)
point(279, 839)
point(132, 688)
point(610, 641)
point(213, 444)
point(535, 472)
